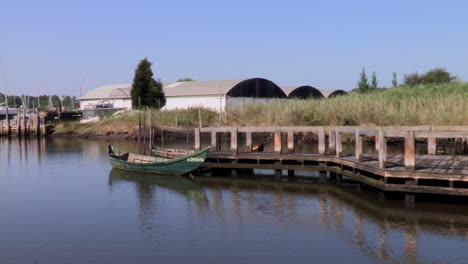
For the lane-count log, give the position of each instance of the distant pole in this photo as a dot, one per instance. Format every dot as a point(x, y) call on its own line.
point(199, 118)
point(187, 131)
point(139, 123)
point(25, 126)
point(8, 122)
point(150, 128)
point(38, 124)
point(176, 117)
point(220, 107)
point(162, 123)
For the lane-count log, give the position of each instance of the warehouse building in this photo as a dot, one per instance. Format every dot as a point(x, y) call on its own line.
point(210, 94)
point(217, 95)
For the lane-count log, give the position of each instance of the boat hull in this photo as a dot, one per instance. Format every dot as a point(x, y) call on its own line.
point(180, 166)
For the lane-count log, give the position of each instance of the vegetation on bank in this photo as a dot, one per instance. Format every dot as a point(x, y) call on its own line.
point(442, 104)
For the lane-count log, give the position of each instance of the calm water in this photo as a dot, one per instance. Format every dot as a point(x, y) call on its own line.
point(60, 202)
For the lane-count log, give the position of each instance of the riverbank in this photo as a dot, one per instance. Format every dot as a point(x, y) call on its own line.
point(441, 105)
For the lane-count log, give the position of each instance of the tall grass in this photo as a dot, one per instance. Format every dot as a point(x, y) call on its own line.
point(444, 104)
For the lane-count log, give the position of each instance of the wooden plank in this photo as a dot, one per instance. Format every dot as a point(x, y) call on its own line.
point(410, 160)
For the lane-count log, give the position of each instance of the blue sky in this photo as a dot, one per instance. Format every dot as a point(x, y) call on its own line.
point(53, 47)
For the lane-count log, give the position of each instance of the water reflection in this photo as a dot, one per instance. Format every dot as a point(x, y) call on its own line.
point(359, 217)
point(211, 212)
point(146, 188)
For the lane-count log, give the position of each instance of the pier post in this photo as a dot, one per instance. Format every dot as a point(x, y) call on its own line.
point(410, 199)
point(410, 160)
point(234, 144)
point(290, 141)
point(197, 139)
point(291, 173)
point(377, 144)
point(18, 122)
point(8, 122)
point(431, 144)
point(248, 140)
point(277, 142)
point(339, 146)
point(358, 148)
point(214, 142)
point(43, 128)
point(331, 141)
point(38, 122)
point(321, 140)
point(25, 126)
point(323, 176)
point(382, 149)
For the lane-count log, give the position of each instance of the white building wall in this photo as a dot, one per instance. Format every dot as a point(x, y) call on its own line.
point(212, 102)
point(117, 103)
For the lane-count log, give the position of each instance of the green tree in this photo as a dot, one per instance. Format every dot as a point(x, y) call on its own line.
point(374, 82)
point(186, 79)
point(363, 84)
point(394, 80)
point(434, 76)
point(147, 89)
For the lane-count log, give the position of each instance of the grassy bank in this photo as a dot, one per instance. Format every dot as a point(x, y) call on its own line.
point(445, 104)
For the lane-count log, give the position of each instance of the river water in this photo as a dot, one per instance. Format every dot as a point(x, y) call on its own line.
point(61, 202)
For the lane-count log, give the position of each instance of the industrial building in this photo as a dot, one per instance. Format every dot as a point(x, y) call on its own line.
point(216, 95)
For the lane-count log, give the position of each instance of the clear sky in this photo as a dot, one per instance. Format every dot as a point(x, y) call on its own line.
point(53, 47)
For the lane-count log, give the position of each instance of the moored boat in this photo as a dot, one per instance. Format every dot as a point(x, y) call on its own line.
point(154, 164)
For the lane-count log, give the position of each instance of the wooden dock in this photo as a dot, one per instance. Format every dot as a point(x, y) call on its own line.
point(22, 124)
point(408, 173)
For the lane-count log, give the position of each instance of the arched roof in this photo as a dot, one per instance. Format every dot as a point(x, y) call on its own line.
point(116, 91)
point(302, 92)
point(253, 87)
point(332, 93)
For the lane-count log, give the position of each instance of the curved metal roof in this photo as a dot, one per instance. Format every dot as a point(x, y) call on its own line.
point(116, 91)
point(332, 93)
point(200, 88)
point(303, 91)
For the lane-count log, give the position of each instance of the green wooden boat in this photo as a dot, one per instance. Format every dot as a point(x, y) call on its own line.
point(156, 165)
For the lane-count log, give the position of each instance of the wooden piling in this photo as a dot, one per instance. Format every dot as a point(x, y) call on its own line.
point(8, 128)
point(339, 146)
point(248, 140)
point(18, 122)
point(358, 141)
point(197, 139)
point(277, 141)
point(214, 142)
point(234, 145)
point(331, 141)
point(431, 143)
point(38, 123)
point(382, 149)
point(291, 141)
point(410, 160)
point(25, 126)
point(321, 141)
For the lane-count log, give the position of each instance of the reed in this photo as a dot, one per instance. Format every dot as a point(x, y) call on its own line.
point(444, 104)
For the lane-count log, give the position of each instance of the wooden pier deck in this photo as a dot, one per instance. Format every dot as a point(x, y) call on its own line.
point(408, 173)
